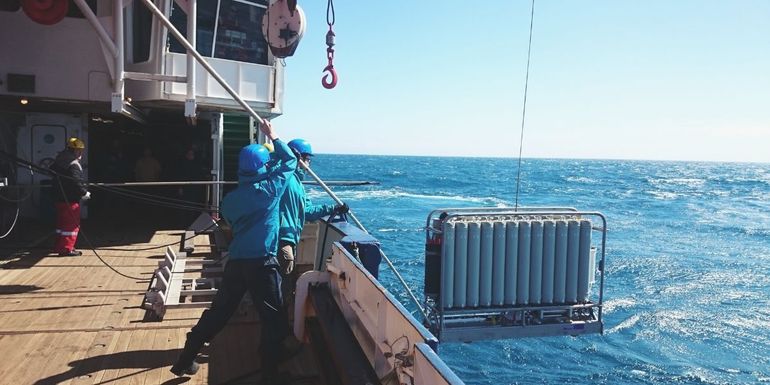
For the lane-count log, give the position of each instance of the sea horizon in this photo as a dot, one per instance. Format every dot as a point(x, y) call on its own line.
point(556, 158)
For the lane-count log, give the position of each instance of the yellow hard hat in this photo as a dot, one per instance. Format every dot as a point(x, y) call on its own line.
point(75, 143)
point(269, 147)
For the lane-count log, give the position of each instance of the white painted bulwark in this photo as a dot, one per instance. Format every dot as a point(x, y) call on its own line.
point(385, 330)
point(255, 83)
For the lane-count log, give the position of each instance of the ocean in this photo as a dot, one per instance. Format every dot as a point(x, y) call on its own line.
point(687, 295)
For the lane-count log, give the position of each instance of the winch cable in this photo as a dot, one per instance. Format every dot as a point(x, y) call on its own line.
point(12, 224)
point(181, 202)
point(13, 173)
point(201, 232)
point(19, 161)
point(12, 201)
point(158, 200)
point(524, 106)
point(361, 226)
point(93, 249)
point(150, 198)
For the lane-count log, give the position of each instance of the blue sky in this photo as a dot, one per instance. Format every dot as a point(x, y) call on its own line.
point(673, 80)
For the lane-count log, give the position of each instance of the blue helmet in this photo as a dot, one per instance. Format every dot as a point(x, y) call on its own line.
point(301, 146)
point(252, 158)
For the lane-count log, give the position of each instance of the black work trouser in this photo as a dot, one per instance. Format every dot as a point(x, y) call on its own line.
point(263, 281)
point(287, 250)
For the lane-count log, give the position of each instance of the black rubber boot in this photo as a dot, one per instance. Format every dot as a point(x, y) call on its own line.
point(188, 370)
point(185, 364)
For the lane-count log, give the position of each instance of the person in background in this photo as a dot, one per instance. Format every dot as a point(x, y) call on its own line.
point(252, 212)
point(190, 168)
point(117, 168)
point(296, 208)
point(147, 168)
point(69, 187)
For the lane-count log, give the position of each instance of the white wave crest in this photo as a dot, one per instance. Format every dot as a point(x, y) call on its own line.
point(580, 179)
point(690, 182)
point(395, 194)
point(620, 303)
point(627, 323)
point(663, 195)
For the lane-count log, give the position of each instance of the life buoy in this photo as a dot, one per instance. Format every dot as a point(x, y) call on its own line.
point(283, 27)
point(46, 12)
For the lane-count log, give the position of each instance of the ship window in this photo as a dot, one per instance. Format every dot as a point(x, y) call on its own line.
point(239, 32)
point(142, 27)
point(9, 5)
point(205, 33)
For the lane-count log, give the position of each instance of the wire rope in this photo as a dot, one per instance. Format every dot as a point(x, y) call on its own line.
point(12, 224)
point(524, 106)
point(93, 249)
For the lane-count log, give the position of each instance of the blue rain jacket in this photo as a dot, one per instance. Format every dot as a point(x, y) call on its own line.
point(296, 208)
point(252, 208)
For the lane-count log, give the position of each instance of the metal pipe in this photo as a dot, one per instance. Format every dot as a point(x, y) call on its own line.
point(361, 226)
point(192, 23)
point(103, 35)
point(117, 16)
point(191, 50)
point(216, 171)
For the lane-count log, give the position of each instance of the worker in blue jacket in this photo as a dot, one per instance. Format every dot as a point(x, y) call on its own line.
point(296, 208)
point(252, 211)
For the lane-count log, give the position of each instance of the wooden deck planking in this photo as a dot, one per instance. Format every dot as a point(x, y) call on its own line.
point(161, 343)
point(21, 349)
point(83, 325)
point(62, 365)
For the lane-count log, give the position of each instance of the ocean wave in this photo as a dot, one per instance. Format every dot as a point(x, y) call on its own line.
point(625, 324)
point(620, 303)
point(703, 376)
point(689, 182)
point(663, 195)
point(401, 230)
point(581, 179)
point(398, 194)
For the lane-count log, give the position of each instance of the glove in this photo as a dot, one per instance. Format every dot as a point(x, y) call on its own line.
point(342, 209)
point(87, 196)
point(286, 259)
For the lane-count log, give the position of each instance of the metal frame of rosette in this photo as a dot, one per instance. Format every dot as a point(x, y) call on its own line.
point(500, 273)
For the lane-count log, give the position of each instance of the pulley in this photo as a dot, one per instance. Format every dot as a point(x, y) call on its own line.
point(283, 27)
point(46, 12)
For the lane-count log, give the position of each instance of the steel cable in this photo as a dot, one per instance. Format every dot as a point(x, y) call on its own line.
point(524, 106)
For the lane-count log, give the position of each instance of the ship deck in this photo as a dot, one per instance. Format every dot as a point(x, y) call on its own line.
point(71, 320)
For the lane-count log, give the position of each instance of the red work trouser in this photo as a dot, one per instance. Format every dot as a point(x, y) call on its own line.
point(67, 226)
